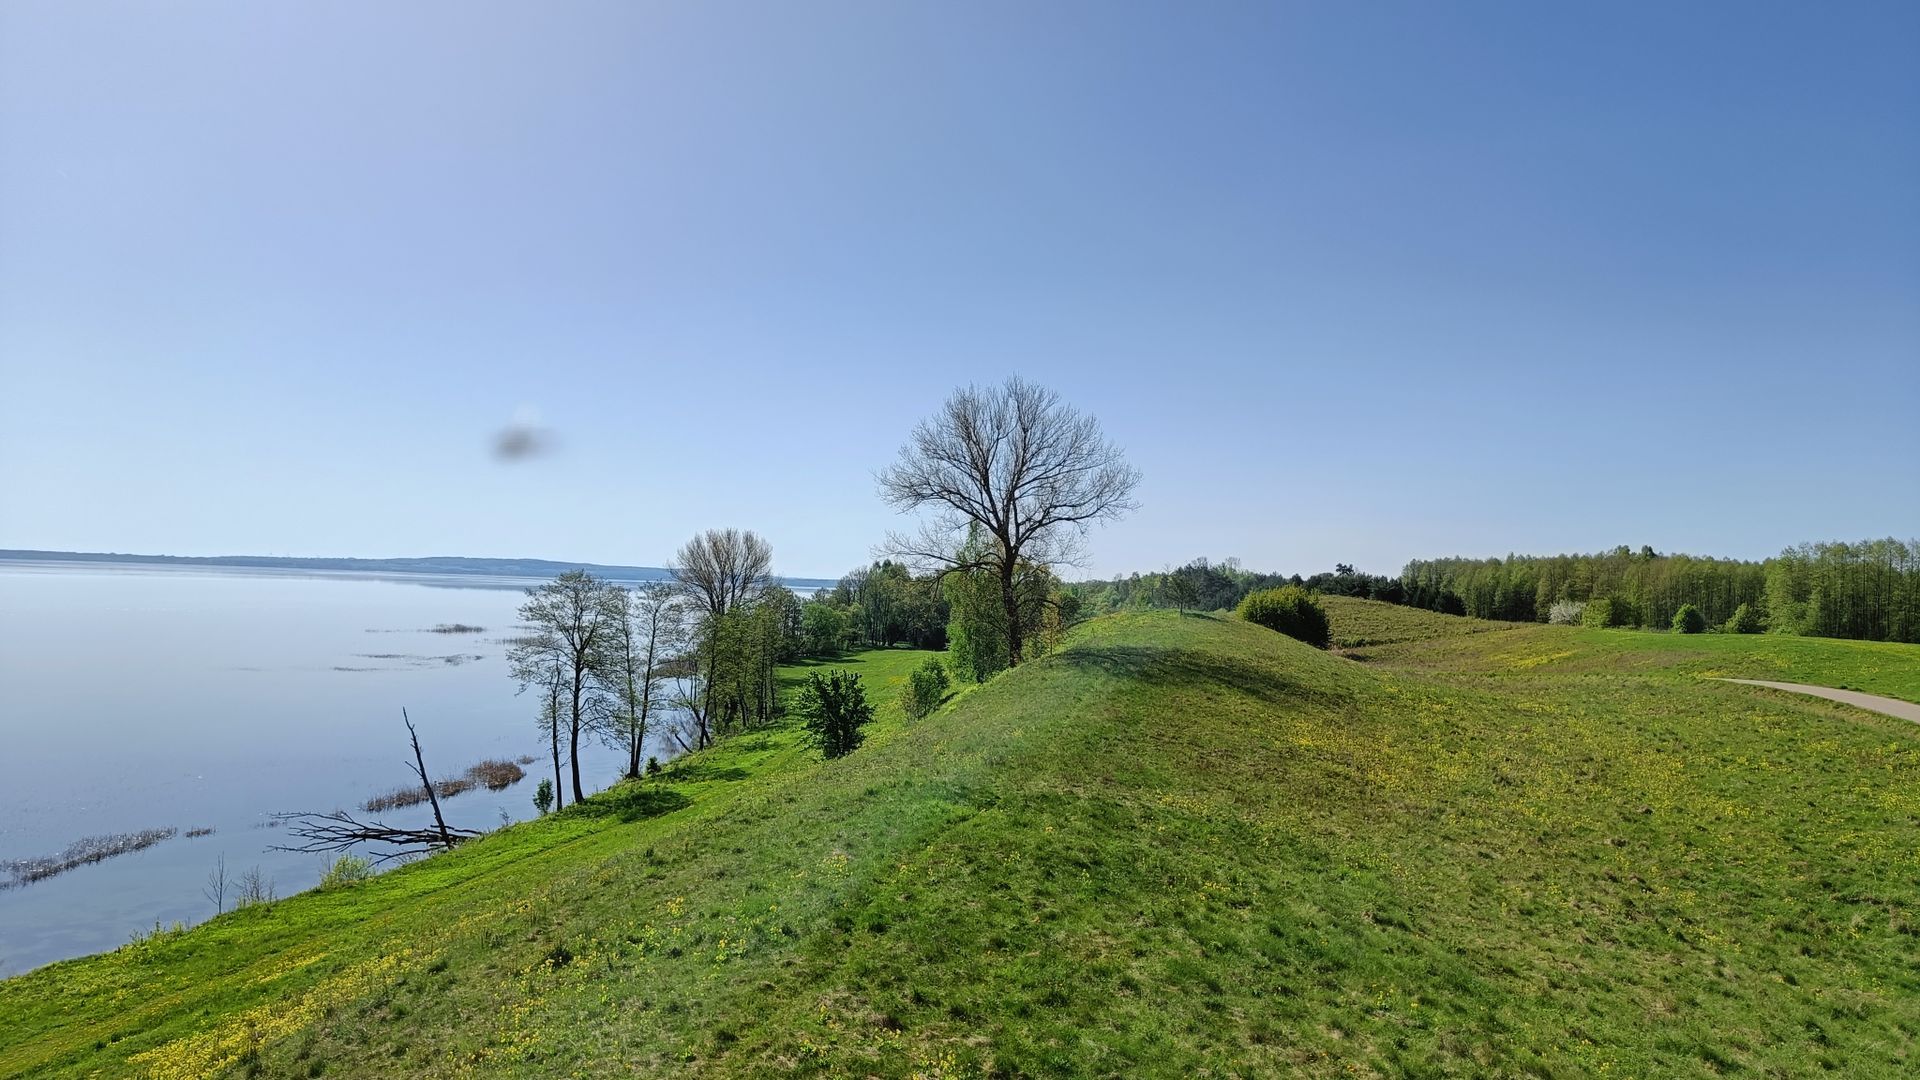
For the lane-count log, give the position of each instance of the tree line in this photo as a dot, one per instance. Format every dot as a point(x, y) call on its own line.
point(1868, 590)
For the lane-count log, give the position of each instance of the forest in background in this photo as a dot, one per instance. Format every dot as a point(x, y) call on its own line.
point(1868, 590)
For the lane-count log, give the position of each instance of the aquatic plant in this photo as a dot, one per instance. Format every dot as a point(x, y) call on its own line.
point(92, 849)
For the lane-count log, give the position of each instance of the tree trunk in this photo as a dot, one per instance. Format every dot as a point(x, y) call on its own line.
point(1011, 604)
point(559, 790)
point(573, 738)
point(646, 699)
point(553, 731)
point(633, 733)
point(713, 660)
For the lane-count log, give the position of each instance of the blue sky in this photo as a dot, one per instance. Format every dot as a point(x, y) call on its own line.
point(1349, 282)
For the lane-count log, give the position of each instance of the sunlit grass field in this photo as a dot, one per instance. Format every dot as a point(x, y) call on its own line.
point(1179, 846)
point(1408, 637)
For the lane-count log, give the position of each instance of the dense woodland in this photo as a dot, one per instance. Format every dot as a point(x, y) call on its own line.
point(1868, 590)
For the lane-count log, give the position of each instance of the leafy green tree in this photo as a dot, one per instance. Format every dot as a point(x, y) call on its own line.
point(825, 627)
point(1292, 611)
point(976, 632)
point(1744, 620)
point(1607, 611)
point(925, 688)
point(1688, 620)
point(835, 708)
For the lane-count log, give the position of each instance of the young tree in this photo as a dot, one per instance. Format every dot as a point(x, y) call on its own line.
point(1183, 585)
point(1688, 620)
point(644, 628)
point(571, 625)
point(719, 570)
point(926, 688)
point(216, 887)
point(835, 707)
point(1029, 471)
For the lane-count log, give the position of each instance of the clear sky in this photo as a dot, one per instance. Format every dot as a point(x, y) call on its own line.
point(1354, 282)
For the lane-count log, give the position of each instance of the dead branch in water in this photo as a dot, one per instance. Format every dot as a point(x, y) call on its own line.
point(341, 831)
point(420, 770)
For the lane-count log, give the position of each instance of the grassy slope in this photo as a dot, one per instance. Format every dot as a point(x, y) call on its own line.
point(1180, 846)
point(1410, 638)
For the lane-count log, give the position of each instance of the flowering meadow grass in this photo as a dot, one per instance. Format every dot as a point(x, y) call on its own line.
point(1179, 846)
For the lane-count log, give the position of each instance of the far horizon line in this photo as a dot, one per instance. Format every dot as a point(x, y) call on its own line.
point(22, 554)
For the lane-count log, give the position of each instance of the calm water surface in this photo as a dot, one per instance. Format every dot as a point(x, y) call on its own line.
point(136, 698)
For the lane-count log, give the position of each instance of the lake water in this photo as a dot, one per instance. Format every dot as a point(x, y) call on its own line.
point(136, 698)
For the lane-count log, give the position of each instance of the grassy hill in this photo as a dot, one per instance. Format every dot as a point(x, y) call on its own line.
point(1180, 846)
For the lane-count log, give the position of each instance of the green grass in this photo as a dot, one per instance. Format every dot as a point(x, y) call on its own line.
point(1408, 637)
point(1180, 846)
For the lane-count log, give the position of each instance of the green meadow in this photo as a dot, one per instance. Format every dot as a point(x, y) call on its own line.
point(1176, 846)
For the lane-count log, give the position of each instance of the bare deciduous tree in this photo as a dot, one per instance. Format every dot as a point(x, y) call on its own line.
point(645, 627)
point(216, 887)
point(1031, 472)
point(570, 626)
point(720, 569)
point(254, 888)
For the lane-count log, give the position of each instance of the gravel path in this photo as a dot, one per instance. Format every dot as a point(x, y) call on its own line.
point(1905, 710)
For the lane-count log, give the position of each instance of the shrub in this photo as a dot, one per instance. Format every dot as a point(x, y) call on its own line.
point(1744, 620)
point(925, 689)
point(496, 775)
point(543, 796)
point(1688, 620)
point(255, 888)
point(1565, 612)
point(653, 766)
point(1607, 611)
point(835, 707)
point(346, 870)
point(1292, 611)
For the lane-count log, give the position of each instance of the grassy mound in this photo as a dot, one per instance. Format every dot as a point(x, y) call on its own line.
point(1180, 846)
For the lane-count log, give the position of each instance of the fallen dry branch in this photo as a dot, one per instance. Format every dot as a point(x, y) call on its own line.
point(341, 831)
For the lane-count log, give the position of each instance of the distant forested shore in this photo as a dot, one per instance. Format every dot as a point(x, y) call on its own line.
point(445, 565)
point(1868, 590)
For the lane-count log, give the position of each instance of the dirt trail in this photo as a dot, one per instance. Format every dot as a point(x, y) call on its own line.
point(1905, 710)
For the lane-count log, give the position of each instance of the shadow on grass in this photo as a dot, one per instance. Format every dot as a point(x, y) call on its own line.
point(631, 802)
point(692, 772)
point(1176, 667)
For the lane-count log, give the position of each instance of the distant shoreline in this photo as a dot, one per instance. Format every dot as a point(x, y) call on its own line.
point(435, 566)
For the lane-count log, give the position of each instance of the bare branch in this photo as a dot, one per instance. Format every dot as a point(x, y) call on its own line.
point(341, 831)
point(420, 770)
point(1028, 471)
